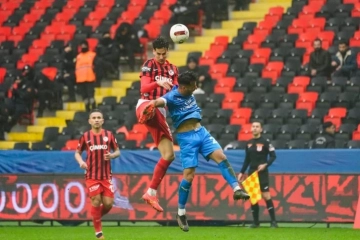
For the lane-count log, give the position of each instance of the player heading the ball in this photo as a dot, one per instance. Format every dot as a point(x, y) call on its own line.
point(192, 138)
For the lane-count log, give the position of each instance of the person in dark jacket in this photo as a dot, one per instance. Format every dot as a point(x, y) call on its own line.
point(326, 139)
point(47, 92)
point(344, 61)
point(128, 42)
point(69, 71)
point(109, 54)
point(20, 100)
point(185, 12)
point(320, 61)
point(4, 115)
point(204, 80)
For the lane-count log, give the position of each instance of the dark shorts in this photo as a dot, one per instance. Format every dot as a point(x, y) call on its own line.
point(263, 179)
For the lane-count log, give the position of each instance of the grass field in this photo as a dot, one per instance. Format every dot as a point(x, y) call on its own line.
point(317, 232)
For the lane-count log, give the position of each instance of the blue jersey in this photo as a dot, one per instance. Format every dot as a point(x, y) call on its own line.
point(181, 107)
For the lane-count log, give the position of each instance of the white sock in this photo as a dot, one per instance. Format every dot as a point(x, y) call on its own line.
point(181, 212)
point(236, 188)
point(151, 192)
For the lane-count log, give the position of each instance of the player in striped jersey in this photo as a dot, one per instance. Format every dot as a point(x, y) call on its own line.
point(98, 143)
point(157, 78)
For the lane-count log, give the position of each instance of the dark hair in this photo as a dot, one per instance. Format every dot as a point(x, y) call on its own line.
point(187, 77)
point(343, 42)
point(95, 111)
point(318, 40)
point(160, 42)
point(84, 43)
point(258, 123)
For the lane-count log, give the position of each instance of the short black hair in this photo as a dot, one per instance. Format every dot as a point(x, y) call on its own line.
point(84, 42)
point(96, 110)
point(187, 77)
point(318, 40)
point(343, 42)
point(160, 42)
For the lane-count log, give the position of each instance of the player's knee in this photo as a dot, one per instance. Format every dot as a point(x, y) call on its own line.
point(189, 175)
point(169, 156)
point(96, 201)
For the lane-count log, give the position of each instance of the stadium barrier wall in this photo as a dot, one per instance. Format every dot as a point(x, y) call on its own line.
point(287, 161)
point(306, 185)
point(297, 198)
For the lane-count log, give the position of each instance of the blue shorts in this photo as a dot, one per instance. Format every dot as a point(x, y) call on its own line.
point(194, 142)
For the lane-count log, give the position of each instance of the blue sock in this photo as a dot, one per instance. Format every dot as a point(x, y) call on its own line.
point(184, 190)
point(228, 173)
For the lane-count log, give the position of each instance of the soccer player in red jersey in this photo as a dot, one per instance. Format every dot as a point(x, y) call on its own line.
point(157, 78)
point(98, 142)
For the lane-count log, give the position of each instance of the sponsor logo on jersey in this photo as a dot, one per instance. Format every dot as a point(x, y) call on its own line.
point(171, 72)
point(94, 188)
point(98, 147)
point(161, 78)
point(105, 139)
point(259, 147)
point(145, 69)
point(271, 148)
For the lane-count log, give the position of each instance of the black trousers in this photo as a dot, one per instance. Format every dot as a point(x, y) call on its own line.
point(263, 179)
point(86, 89)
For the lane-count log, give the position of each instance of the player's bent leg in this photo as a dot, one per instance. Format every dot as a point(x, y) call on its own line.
point(184, 190)
point(228, 174)
point(96, 214)
point(165, 147)
point(107, 204)
point(270, 206)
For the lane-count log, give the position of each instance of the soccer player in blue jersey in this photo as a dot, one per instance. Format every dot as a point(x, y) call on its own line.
point(192, 138)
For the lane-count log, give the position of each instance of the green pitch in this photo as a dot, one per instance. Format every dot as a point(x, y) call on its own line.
point(162, 233)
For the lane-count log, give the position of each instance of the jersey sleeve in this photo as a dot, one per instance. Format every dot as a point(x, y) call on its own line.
point(81, 145)
point(168, 98)
point(269, 146)
point(113, 143)
point(147, 69)
point(246, 161)
point(176, 76)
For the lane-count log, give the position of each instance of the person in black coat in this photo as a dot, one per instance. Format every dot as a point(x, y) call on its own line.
point(68, 76)
point(320, 61)
point(109, 53)
point(128, 43)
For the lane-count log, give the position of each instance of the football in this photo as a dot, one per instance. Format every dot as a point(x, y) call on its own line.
point(179, 33)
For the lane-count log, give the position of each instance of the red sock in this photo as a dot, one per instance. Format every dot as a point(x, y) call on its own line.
point(159, 173)
point(96, 214)
point(104, 210)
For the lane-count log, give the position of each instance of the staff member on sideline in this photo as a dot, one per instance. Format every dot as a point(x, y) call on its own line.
point(256, 156)
point(85, 75)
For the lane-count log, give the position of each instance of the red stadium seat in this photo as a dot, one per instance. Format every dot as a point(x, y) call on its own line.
point(251, 46)
point(227, 80)
point(354, 42)
point(223, 88)
point(42, 4)
point(40, 43)
point(270, 74)
point(328, 36)
point(93, 42)
point(308, 97)
point(164, 14)
point(197, 27)
point(11, 5)
point(206, 61)
point(301, 81)
point(15, 38)
point(221, 40)
point(296, 89)
point(50, 72)
point(92, 23)
point(356, 10)
point(275, 66)
point(153, 30)
point(317, 22)
point(30, 17)
point(63, 37)
point(70, 145)
point(2, 74)
point(309, 106)
point(106, 3)
point(242, 113)
point(36, 51)
point(356, 135)
point(29, 59)
point(337, 112)
point(271, 19)
point(19, 31)
point(297, 26)
point(238, 121)
point(6, 31)
point(278, 11)
point(219, 68)
point(48, 37)
point(244, 136)
point(307, 37)
point(246, 128)
point(230, 105)
point(213, 54)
